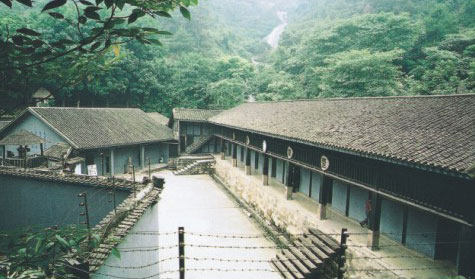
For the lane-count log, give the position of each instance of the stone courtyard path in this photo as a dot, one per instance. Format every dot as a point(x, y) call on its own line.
point(202, 206)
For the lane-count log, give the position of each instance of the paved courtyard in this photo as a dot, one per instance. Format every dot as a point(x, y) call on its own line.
point(201, 206)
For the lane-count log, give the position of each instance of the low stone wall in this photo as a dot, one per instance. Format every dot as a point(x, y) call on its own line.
point(294, 216)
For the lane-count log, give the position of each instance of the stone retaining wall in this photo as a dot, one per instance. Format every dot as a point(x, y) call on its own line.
point(294, 216)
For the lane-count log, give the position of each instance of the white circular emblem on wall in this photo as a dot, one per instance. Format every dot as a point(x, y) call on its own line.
point(248, 140)
point(264, 146)
point(324, 163)
point(290, 152)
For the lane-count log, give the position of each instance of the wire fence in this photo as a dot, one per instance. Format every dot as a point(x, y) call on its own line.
point(212, 264)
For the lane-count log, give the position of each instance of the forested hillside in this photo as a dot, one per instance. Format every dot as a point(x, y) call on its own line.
point(374, 48)
point(330, 48)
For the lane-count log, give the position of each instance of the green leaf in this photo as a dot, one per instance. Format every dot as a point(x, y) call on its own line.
point(165, 33)
point(56, 15)
point(92, 15)
point(87, 3)
point(115, 252)
point(92, 9)
point(18, 40)
point(22, 251)
point(27, 31)
point(184, 11)
point(162, 13)
point(82, 19)
point(7, 2)
point(25, 2)
point(37, 43)
point(109, 3)
point(132, 18)
point(95, 46)
point(63, 242)
point(194, 2)
point(54, 4)
point(120, 4)
point(98, 2)
point(155, 42)
point(38, 245)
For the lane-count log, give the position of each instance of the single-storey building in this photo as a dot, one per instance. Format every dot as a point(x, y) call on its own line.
point(112, 139)
point(411, 158)
point(191, 128)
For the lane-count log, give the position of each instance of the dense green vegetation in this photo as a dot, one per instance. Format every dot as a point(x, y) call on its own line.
point(331, 48)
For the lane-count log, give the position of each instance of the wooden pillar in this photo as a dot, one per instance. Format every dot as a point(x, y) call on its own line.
point(112, 172)
point(289, 189)
point(223, 150)
point(142, 156)
point(466, 251)
point(324, 197)
point(265, 171)
point(374, 221)
point(3, 153)
point(248, 161)
point(41, 149)
point(234, 154)
point(179, 136)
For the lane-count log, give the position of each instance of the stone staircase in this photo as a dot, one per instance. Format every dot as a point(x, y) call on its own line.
point(199, 142)
point(306, 256)
point(194, 164)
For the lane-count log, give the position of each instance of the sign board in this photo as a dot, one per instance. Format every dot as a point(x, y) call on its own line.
point(324, 163)
point(290, 152)
point(92, 170)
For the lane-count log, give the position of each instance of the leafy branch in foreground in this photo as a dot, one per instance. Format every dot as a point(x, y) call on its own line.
point(92, 27)
point(45, 253)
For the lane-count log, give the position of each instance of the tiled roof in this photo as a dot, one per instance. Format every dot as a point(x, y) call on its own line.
point(194, 114)
point(3, 124)
point(22, 137)
point(160, 118)
point(59, 150)
point(87, 128)
point(437, 131)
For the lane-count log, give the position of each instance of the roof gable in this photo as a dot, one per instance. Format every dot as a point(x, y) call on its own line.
point(436, 131)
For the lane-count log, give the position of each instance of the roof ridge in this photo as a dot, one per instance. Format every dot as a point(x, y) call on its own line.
point(83, 108)
point(198, 109)
point(472, 94)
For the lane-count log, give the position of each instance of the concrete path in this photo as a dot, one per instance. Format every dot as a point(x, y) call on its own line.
point(203, 207)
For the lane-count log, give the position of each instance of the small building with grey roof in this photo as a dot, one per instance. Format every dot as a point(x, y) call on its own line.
point(112, 139)
point(191, 128)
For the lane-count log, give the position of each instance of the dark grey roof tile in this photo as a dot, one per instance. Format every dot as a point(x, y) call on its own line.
point(88, 128)
point(430, 130)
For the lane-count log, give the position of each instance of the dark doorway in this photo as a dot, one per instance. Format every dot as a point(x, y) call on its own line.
point(108, 164)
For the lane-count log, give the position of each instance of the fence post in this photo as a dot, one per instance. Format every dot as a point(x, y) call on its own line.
point(149, 170)
point(181, 251)
point(342, 258)
point(85, 213)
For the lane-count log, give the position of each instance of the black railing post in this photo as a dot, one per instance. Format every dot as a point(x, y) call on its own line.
point(342, 257)
point(149, 170)
point(85, 213)
point(181, 251)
